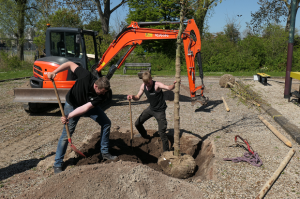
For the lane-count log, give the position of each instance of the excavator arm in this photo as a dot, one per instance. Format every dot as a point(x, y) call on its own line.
point(135, 34)
point(42, 92)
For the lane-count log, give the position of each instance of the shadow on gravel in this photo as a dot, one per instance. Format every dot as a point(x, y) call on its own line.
point(224, 128)
point(209, 106)
point(19, 167)
point(169, 96)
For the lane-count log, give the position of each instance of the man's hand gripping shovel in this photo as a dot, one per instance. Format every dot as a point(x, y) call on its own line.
point(66, 125)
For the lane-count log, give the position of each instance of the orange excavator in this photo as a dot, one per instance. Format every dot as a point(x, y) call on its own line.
point(69, 44)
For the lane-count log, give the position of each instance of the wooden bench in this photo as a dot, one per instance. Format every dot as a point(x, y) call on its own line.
point(137, 66)
point(262, 78)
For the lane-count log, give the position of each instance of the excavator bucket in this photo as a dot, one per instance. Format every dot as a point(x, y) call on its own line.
point(39, 95)
point(201, 99)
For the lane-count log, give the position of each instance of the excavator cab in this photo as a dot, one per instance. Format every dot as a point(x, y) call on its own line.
point(70, 43)
point(62, 45)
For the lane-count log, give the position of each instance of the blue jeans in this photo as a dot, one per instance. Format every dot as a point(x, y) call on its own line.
point(98, 115)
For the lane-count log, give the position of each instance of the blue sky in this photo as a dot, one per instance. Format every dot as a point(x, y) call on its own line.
point(222, 14)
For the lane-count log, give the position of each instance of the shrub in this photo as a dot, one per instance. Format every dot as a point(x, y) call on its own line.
point(10, 63)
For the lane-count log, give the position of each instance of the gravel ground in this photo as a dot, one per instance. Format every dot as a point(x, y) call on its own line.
point(28, 139)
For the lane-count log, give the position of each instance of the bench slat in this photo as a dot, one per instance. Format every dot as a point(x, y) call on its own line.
point(263, 74)
point(295, 75)
point(137, 64)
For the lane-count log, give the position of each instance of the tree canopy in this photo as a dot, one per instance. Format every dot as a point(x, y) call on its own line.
point(60, 18)
point(17, 16)
point(271, 11)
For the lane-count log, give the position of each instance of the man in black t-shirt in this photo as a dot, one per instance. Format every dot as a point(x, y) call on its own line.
point(157, 108)
point(83, 99)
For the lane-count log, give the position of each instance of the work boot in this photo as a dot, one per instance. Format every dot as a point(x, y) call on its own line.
point(108, 156)
point(57, 170)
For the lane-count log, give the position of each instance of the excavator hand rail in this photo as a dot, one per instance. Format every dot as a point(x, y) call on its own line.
point(151, 23)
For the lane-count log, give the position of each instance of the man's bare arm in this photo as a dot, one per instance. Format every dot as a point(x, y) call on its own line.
point(137, 96)
point(77, 112)
point(163, 86)
point(63, 67)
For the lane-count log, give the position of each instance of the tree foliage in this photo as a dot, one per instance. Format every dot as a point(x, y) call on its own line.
point(161, 10)
point(232, 32)
point(271, 11)
point(90, 8)
point(60, 18)
point(202, 8)
point(16, 18)
point(250, 54)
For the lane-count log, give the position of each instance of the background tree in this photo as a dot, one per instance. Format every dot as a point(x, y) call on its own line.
point(202, 8)
point(60, 18)
point(88, 8)
point(232, 32)
point(272, 11)
point(15, 18)
point(161, 10)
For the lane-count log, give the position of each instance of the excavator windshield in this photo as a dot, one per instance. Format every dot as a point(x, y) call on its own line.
point(64, 44)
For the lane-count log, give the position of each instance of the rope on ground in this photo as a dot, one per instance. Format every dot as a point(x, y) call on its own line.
point(251, 157)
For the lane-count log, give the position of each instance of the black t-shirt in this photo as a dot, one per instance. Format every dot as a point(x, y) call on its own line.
point(156, 99)
point(83, 90)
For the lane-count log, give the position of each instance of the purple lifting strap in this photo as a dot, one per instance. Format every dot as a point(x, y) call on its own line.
point(252, 159)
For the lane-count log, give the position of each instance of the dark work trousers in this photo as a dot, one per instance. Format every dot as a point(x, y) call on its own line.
point(162, 125)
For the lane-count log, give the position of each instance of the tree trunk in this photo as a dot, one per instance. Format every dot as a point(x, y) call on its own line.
point(202, 11)
point(105, 16)
point(288, 21)
point(177, 87)
point(21, 6)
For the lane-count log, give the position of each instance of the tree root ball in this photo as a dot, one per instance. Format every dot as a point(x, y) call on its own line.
point(226, 78)
point(178, 167)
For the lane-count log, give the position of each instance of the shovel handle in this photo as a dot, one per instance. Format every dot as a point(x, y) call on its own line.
point(61, 110)
point(131, 128)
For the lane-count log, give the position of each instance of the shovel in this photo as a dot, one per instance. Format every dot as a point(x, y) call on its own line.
point(66, 125)
point(131, 128)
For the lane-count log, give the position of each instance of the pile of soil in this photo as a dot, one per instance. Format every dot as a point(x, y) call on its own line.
point(134, 174)
point(144, 151)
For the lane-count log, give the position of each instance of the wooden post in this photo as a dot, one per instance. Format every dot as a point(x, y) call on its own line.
point(277, 133)
point(271, 181)
point(225, 104)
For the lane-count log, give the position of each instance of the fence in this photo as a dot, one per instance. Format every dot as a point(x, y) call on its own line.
point(29, 49)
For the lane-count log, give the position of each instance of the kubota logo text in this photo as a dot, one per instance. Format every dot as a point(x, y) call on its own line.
point(161, 35)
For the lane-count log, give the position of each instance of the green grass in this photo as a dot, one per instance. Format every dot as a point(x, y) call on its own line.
point(184, 73)
point(28, 72)
point(16, 74)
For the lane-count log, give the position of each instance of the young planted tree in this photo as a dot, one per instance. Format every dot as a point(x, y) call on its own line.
point(175, 164)
point(177, 86)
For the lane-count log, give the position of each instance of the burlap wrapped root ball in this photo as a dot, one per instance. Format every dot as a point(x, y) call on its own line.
point(178, 167)
point(226, 78)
